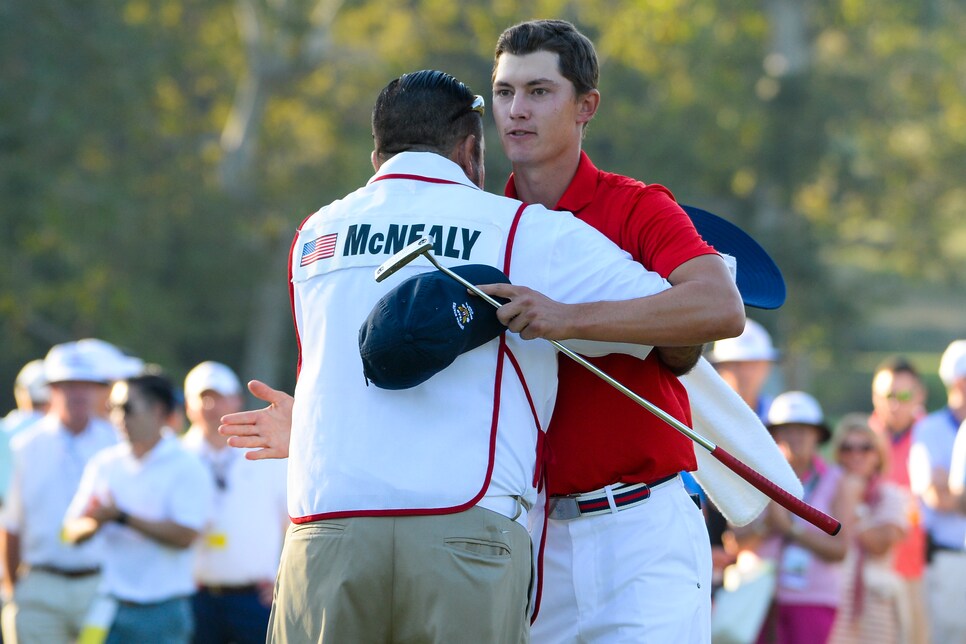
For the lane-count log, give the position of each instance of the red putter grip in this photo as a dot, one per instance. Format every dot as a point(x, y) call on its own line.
point(793, 504)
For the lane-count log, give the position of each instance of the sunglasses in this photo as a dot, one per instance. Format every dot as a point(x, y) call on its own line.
point(478, 105)
point(901, 396)
point(863, 448)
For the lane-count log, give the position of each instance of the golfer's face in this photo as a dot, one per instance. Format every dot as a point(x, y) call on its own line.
point(535, 109)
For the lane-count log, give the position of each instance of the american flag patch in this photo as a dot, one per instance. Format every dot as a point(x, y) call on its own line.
point(319, 248)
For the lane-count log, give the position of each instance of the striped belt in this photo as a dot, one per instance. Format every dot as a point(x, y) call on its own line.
point(612, 498)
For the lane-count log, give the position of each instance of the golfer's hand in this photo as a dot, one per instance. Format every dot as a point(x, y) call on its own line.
point(530, 313)
point(266, 431)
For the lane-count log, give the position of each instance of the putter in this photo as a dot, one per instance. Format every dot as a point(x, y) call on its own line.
point(813, 515)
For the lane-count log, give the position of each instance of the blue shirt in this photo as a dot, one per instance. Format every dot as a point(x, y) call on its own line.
point(932, 447)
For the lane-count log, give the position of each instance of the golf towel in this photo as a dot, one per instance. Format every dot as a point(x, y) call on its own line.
point(720, 415)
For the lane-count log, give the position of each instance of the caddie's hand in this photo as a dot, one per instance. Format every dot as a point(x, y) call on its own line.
point(531, 313)
point(266, 431)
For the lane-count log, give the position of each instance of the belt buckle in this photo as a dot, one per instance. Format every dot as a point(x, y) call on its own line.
point(564, 508)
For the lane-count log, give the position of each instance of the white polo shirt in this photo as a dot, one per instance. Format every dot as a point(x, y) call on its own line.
point(242, 542)
point(10, 425)
point(48, 462)
point(168, 483)
point(469, 434)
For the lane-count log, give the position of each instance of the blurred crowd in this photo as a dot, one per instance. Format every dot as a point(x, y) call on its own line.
point(126, 514)
point(895, 479)
point(126, 517)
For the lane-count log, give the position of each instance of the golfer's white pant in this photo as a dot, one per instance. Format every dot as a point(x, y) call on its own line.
point(638, 575)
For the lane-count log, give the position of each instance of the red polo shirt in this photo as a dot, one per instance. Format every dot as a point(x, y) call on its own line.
point(597, 435)
point(909, 555)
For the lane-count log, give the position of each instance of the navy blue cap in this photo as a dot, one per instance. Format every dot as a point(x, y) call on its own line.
point(420, 327)
point(759, 280)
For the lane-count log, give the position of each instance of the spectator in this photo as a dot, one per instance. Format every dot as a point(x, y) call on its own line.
point(32, 395)
point(874, 607)
point(898, 402)
point(238, 552)
point(808, 560)
point(113, 363)
point(52, 584)
point(745, 362)
point(930, 460)
point(148, 499)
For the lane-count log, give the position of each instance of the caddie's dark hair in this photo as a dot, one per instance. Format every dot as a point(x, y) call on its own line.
point(156, 388)
point(577, 58)
point(428, 111)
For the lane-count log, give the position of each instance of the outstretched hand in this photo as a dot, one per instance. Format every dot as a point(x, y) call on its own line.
point(265, 431)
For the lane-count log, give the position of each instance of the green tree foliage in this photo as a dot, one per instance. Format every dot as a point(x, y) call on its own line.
point(157, 155)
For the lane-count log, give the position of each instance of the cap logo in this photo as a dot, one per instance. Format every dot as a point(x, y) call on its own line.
point(463, 313)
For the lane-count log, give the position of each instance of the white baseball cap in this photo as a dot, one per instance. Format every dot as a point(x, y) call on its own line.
point(67, 362)
point(32, 379)
point(113, 363)
point(952, 367)
point(754, 343)
point(797, 408)
point(210, 376)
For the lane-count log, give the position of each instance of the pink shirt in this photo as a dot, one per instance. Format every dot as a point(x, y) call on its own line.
point(804, 578)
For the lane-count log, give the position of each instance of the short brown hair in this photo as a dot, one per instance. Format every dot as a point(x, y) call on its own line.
point(576, 56)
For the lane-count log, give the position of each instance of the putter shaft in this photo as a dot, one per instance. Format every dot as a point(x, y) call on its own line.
point(779, 495)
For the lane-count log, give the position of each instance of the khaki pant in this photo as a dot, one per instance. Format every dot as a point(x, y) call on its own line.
point(444, 578)
point(48, 608)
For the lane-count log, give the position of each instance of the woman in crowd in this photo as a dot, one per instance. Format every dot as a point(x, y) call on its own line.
point(873, 608)
point(808, 561)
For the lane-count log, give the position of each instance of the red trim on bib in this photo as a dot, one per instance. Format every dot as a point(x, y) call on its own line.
point(417, 177)
point(502, 352)
point(291, 295)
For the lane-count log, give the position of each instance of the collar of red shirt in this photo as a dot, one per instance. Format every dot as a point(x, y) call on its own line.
point(579, 192)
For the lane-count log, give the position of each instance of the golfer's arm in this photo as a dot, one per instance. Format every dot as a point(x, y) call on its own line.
point(702, 305)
